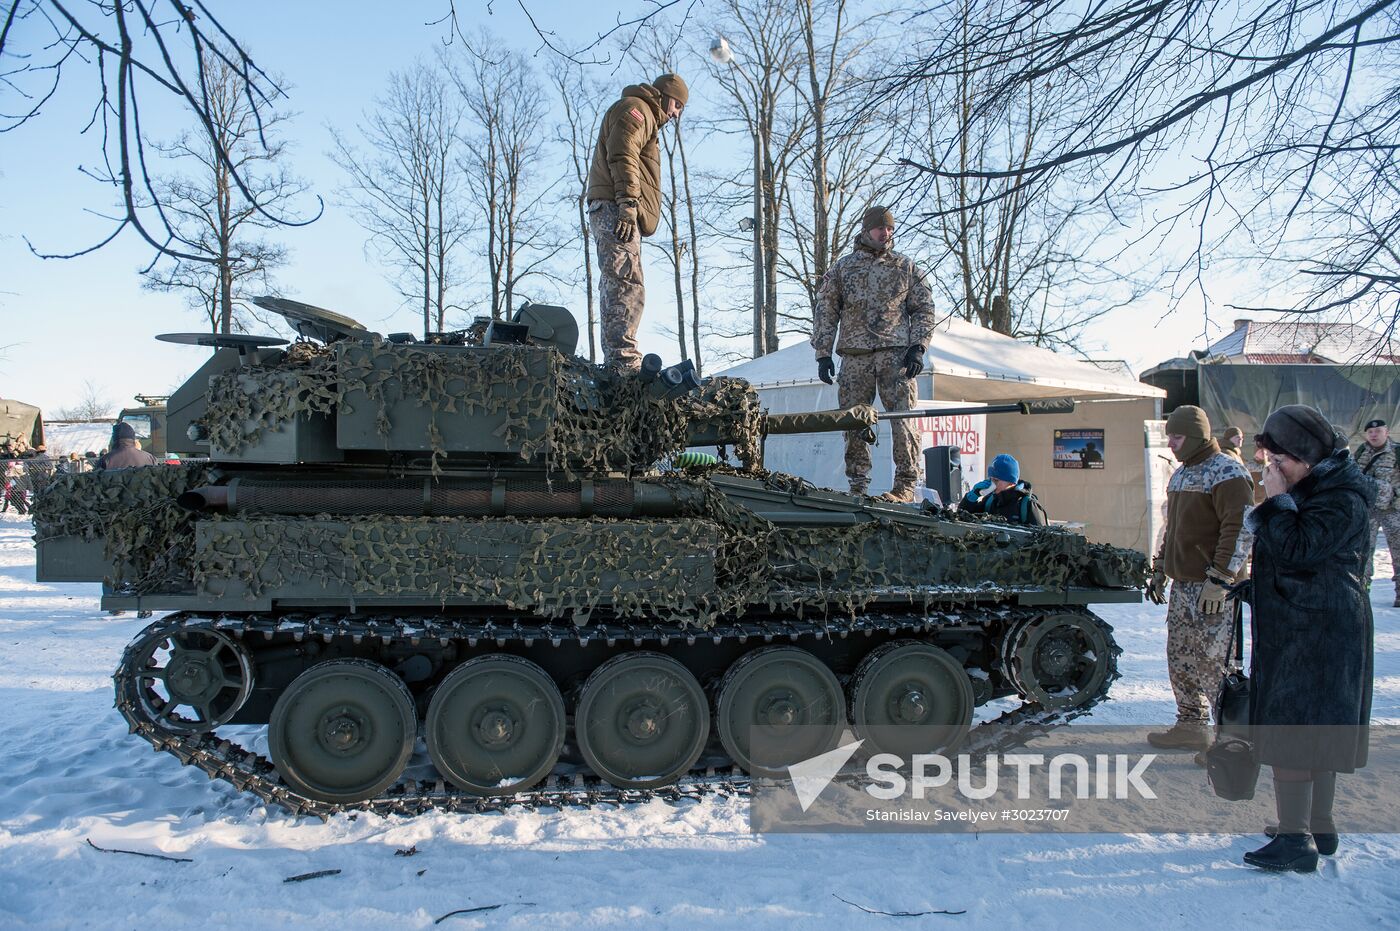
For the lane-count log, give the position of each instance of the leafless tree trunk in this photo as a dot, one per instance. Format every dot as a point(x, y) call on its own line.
point(582, 101)
point(693, 248)
point(209, 214)
point(503, 165)
point(406, 190)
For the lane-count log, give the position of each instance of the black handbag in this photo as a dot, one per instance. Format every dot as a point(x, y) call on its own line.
point(1231, 765)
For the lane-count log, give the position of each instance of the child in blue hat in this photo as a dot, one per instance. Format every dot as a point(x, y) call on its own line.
point(1004, 494)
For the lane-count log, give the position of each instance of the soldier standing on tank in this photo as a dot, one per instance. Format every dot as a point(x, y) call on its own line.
point(1376, 458)
point(881, 305)
point(624, 200)
point(1202, 552)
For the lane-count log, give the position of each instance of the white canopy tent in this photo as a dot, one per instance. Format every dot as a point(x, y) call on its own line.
point(968, 365)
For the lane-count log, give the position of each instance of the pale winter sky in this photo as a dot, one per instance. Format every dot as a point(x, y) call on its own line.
point(64, 323)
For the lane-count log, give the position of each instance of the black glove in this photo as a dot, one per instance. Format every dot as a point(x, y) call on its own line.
point(826, 370)
point(913, 360)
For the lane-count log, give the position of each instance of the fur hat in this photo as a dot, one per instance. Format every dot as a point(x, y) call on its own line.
point(876, 216)
point(1302, 432)
point(1005, 468)
point(672, 86)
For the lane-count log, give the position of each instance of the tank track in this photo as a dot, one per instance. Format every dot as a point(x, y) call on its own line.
point(250, 772)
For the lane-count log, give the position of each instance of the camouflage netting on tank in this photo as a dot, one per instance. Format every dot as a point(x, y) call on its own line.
point(246, 402)
point(717, 561)
point(146, 537)
point(555, 568)
point(592, 422)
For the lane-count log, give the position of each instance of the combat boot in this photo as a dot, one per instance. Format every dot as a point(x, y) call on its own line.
point(859, 490)
point(1183, 735)
point(899, 494)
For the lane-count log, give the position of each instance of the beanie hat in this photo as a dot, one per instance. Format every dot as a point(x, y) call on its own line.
point(123, 431)
point(1005, 468)
point(1234, 437)
point(1302, 432)
point(876, 216)
point(1191, 422)
point(672, 86)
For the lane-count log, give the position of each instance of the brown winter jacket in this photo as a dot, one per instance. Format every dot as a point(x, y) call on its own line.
point(627, 160)
point(1206, 501)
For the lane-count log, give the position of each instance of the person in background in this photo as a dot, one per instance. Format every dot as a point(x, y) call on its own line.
point(1201, 553)
point(124, 453)
point(1311, 666)
point(1232, 443)
point(1376, 460)
point(1004, 494)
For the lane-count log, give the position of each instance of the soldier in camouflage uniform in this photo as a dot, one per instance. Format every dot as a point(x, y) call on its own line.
point(1376, 459)
point(880, 303)
point(624, 199)
point(1203, 551)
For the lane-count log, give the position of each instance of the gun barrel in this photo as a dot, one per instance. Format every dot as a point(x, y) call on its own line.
point(855, 418)
point(1037, 406)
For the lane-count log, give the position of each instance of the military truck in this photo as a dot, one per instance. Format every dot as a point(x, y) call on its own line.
point(505, 549)
point(21, 426)
point(148, 420)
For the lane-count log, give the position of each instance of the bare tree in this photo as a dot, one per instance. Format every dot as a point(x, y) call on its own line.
point(503, 166)
point(93, 405)
point(582, 101)
point(130, 49)
point(766, 40)
point(1287, 111)
point(406, 190)
point(1024, 259)
point(208, 214)
point(843, 145)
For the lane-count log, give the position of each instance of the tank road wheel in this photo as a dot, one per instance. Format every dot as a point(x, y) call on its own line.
point(495, 725)
point(641, 721)
point(765, 695)
point(908, 697)
point(177, 673)
point(343, 731)
point(1061, 660)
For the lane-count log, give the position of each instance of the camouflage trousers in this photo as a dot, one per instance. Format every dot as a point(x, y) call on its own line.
point(621, 294)
point(1198, 647)
point(862, 376)
point(1389, 521)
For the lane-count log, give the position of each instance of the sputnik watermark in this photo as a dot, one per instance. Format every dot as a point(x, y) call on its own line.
point(1117, 776)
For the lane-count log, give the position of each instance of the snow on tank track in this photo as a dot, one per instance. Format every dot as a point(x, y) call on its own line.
point(250, 772)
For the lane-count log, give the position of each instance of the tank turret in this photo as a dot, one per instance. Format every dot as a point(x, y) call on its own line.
point(484, 538)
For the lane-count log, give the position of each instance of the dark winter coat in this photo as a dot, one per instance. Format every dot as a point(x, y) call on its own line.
point(1007, 503)
point(1312, 631)
point(125, 455)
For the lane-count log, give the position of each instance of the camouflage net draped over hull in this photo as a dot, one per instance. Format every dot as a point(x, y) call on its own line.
point(719, 559)
point(591, 423)
point(146, 537)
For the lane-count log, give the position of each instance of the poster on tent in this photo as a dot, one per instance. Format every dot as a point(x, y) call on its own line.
point(968, 432)
point(1078, 449)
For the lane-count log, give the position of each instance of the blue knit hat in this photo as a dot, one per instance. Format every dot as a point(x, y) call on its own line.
point(1005, 468)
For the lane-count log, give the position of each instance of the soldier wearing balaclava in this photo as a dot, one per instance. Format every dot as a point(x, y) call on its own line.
point(1201, 553)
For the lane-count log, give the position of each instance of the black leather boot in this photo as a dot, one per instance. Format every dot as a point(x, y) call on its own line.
point(1293, 849)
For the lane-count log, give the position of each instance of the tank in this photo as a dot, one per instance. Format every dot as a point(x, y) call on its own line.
point(478, 571)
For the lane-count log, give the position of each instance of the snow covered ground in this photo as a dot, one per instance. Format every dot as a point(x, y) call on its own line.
point(70, 774)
